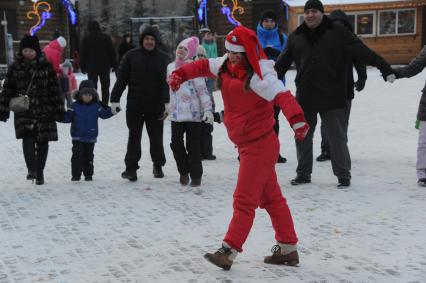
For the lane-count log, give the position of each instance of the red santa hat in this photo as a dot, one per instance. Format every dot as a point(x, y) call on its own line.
point(242, 39)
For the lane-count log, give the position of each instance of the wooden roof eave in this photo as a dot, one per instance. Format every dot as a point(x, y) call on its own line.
point(369, 6)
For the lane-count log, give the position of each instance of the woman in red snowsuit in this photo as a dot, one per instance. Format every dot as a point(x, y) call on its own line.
point(250, 88)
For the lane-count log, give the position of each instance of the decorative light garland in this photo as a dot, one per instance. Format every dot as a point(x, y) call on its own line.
point(71, 12)
point(46, 14)
point(41, 19)
point(202, 13)
point(230, 13)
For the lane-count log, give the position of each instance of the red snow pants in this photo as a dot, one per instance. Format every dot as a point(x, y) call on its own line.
point(257, 186)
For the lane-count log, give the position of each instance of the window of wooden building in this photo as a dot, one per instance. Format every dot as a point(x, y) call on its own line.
point(397, 22)
point(364, 23)
point(380, 23)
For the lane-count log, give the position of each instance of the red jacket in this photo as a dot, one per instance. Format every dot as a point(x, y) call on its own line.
point(249, 115)
point(53, 52)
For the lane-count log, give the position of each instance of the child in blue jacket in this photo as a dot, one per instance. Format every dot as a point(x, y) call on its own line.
point(83, 116)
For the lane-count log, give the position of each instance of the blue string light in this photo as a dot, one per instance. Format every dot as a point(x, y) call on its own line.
point(44, 16)
point(202, 11)
point(71, 12)
point(227, 11)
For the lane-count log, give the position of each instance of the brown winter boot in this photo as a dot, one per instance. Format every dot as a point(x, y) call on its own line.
point(184, 179)
point(195, 182)
point(223, 258)
point(283, 254)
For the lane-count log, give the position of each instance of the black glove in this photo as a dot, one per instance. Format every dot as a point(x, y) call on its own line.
point(397, 73)
point(218, 116)
point(4, 116)
point(386, 71)
point(359, 84)
point(271, 52)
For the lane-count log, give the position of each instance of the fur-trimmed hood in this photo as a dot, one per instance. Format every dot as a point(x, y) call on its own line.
point(339, 15)
point(78, 94)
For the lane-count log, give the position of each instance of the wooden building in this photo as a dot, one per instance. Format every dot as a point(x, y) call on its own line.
point(18, 24)
point(394, 29)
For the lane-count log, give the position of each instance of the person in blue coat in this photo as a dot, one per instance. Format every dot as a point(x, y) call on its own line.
point(273, 42)
point(83, 116)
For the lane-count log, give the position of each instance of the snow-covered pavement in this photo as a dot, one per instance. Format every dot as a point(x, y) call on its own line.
point(155, 230)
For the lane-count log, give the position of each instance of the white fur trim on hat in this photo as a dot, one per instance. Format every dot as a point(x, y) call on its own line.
point(233, 47)
point(62, 41)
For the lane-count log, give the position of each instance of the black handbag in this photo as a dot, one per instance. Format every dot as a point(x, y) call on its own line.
point(21, 102)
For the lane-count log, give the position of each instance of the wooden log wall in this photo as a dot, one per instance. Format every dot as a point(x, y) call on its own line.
point(58, 21)
point(395, 49)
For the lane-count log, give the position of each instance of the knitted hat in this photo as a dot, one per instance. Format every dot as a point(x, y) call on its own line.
point(339, 15)
point(29, 41)
point(268, 14)
point(191, 45)
point(86, 87)
point(314, 4)
point(86, 84)
point(242, 39)
point(149, 31)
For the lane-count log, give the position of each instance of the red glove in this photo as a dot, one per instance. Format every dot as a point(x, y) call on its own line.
point(175, 80)
point(300, 130)
point(300, 127)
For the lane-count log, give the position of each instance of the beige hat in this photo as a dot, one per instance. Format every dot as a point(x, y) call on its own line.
point(201, 51)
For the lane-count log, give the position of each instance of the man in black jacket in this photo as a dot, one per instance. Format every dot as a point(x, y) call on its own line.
point(340, 17)
point(322, 51)
point(97, 56)
point(144, 71)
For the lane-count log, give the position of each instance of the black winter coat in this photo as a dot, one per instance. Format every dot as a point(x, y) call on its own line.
point(144, 72)
point(322, 57)
point(46, 104)
point(97, 54)
point(340, 16)
point(123, 49)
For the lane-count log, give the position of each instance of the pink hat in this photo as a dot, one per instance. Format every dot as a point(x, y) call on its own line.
point(191, 44)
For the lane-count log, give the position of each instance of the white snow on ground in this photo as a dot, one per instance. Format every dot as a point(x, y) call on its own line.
point(154, 230)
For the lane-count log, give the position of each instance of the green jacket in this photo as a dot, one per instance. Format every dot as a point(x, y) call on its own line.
point(211, 49)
